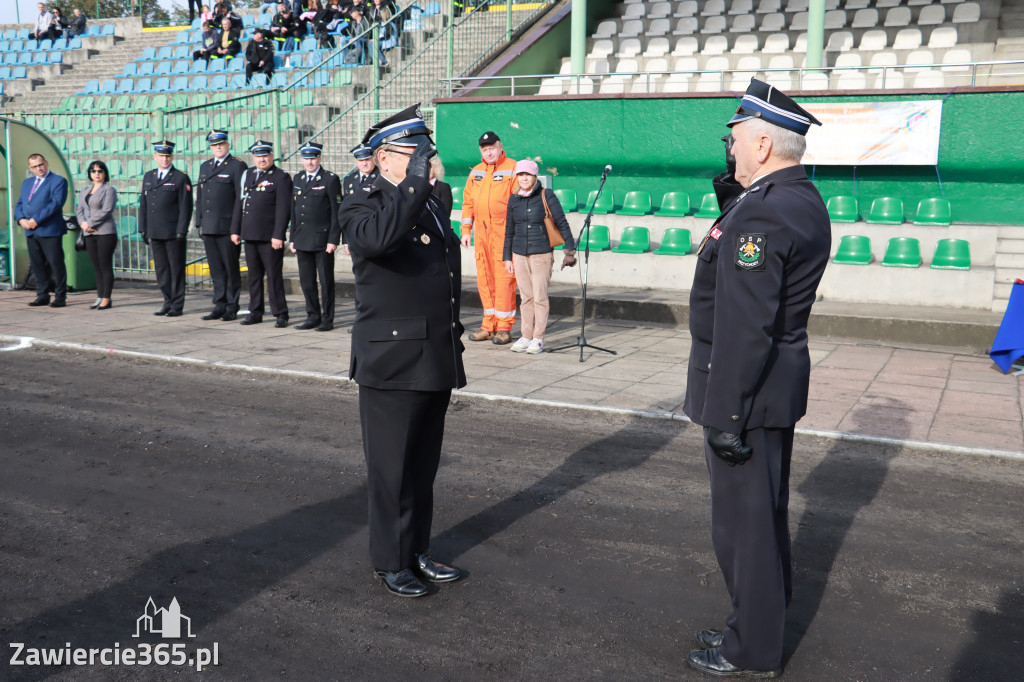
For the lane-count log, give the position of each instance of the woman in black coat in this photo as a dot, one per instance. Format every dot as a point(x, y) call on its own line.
point(529, 254)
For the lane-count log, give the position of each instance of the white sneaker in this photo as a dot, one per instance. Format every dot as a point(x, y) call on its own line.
point(521, 345)
point(536, 346)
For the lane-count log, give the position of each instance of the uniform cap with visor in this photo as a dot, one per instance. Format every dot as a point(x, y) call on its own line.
point(404, 129)
point(770, 104)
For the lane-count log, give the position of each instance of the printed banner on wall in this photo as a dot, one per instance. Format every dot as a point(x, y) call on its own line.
point(874, 134)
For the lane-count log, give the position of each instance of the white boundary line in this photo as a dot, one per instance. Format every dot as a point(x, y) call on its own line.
point(23, 342)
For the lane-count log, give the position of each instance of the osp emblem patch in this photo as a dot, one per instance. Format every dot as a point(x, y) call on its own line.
point(750, 252)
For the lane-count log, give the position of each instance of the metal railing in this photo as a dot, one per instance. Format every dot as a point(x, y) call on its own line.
point(887, 77)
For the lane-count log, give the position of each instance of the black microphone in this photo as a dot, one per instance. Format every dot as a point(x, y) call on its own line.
point(607, 169)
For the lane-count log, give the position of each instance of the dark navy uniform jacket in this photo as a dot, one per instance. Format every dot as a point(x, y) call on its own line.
point(165, 208)
point(315, 210)
point(217, 191)
point(408, 271)
point(351, 182)
point(266, 206)
point(757, 273)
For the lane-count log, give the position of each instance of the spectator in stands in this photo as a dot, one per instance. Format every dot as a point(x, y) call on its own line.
point(205, 14)
point(193, 5)
point(284, 28)
point(358, 48)
point(59, 25)
point(76, 26)
point(39, 211)
point(322, 23)
point(43, 22)
point(210, 38)
point(268, 4)
point(222, 10)
point(95, 211)
point(382, 12)
point(229, 43)
point(259, 56)
point(529, 254)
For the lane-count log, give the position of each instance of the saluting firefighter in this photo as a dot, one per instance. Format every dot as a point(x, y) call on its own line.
point(261, 219)
point(165, 210)
point(406, 351)
point(758, 269)
point(217, 192)
point(315, 235)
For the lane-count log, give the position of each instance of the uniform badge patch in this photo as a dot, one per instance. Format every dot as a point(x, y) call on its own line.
point(425, 238)
point(750, 252)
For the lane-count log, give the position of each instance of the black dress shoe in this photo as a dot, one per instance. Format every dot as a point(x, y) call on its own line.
point(162, 311)
point(58, 303)
point(228, 317)
point(212, 316)
point(252, 319)
point(711, 662)
point(108, 306)
point(173, 313)
point(95, 305)
point(403, 583)
point(435, 572)
point(40, 301)
point(308, 324)
point(709, 639)
point(325, 326)
point(282, 321)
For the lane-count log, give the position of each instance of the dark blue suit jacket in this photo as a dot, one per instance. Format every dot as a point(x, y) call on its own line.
point(46, 207)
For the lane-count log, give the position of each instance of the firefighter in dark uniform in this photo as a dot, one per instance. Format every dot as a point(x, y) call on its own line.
point(217, 192)
point(165, 210)
point(365, 171)
point(315, 235)
point(261, 218)
point(406, 347)
point(757, 272)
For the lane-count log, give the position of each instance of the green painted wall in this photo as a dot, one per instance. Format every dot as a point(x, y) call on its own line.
point(673, 144)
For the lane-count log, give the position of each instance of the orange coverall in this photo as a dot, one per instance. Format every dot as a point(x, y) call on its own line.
point(484, 205)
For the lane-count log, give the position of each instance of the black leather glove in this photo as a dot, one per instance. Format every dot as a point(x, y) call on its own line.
point(419, 162)
point(730, 158)
point(180, 237)
point(728, 447)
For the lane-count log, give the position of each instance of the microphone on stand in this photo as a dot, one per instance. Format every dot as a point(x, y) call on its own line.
point(607, 169)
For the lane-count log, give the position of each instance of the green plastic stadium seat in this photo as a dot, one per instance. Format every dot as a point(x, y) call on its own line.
point(853, 249)
point(567, 198)
point(886, 211)
point(289, 121)
point(457, 198)
point(222, 121)
point(114, 167)
point(136, 145)
point(934, 212)
point(708, 207)
point(952, 254)
point(902, 252)
point(87, 104)
point(636, 202)
point(674, 205)
point(128, 226)
point(117, 145)
point(598, 236)
point(134, 169)
point(76, 145)
point(606, 204)
point(676, 241)
point(342, 78)
point(635, 239)
point(265, 121)
point(843, 209)
point(68, 105)
point(159, 101)
point(181, 144)
point(140, 103)
point(197, 100)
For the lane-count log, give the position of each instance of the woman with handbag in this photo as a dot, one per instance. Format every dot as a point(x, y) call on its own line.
point(534, 225)
point(95, 211)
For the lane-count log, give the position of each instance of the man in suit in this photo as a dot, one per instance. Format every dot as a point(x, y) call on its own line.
point(757, 272)
point(217, 192)
point(261, 219)
point(39, 211)
point(406, 351)
point(315, 235)
point(165, 211)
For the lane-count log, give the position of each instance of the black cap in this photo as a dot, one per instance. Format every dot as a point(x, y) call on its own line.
point(768, 103)
point(405, 129)
point(165, 147)
point(488, 138)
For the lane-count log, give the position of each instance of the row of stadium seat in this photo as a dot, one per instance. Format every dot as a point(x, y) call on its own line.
point(296, 97)
point(30, 58)
point(91, 31)
point(905, 252)
point(188, 67)
point(689, 8)
point(889, 211)
point(171, 53)
point(184, 144)
point(60, 44)
point(214, 82)
point(9, 74)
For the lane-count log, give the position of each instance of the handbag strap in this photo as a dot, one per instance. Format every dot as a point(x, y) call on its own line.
point(544, 198)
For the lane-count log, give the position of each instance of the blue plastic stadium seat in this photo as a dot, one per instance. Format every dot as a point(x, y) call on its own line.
point(307, 45)
point(432, 9)
point(39, 58)
point(5, 46)
point(130, 70)
point(25, 59)
point(163, 53)
point(238, 81)
point(5, 73)
point(75, 43)
point(215, 66)
point(200, 66)
point(182, 52)
point(92, 31)
point(182, 38)
point(60, 44)
point(148, 54)
point(23, 34)
point(91, 88)
point(45, 45)
point(199, 83)
point(17, 45)
point(180, 84)
point(181, 67)
point(144, 85)
point(126, 86)
point(314, 59)
point(10, 59)
point(219, 82)
point(19, 72)
point(263, 20)
point(235, 64)
point(248, 20)
point(108, 30)
point(163, 68)
point(54, 58)
point(10, 34)
point(147, 68)
point(259, 80)
point(278, 81)
point(162, 84)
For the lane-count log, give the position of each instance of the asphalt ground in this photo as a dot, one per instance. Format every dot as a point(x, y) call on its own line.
point(585, 537)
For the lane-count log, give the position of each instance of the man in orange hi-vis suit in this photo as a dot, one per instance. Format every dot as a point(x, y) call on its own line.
point(484, 205)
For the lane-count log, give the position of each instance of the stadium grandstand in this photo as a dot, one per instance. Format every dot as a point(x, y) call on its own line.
point(644, 86)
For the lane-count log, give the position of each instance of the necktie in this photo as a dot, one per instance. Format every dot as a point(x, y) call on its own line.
point(362, 179)
point(160, 176)
point(32, 192)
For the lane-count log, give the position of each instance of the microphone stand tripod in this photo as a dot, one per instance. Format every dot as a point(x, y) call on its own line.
point(581, 340)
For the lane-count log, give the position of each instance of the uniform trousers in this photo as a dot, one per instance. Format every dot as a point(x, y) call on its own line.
point(169, 260)
point(314, 264)
point(100, 248)
point(46, 255)
point(533, 273)
point(750, 532)
point(222, 257)
point(264, 259)
point(402, 434)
